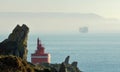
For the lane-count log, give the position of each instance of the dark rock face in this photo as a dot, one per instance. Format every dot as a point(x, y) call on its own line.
point(16, 44)
point(14, 64)
point(67, 60)
point(66, 67)
point(74, 64)
point(63, 68)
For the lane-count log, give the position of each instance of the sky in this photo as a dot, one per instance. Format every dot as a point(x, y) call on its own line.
point(105, 8)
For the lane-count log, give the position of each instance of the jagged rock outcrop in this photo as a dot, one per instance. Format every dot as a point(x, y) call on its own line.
point(74, 64)
point(14, 64)
point(70, 67)
point(63, 68)
point(67, 60)
point(16, 44)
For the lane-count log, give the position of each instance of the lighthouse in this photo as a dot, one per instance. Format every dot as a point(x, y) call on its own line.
point(40, 56)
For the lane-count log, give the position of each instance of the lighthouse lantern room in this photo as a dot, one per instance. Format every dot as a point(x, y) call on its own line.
point(40, 56)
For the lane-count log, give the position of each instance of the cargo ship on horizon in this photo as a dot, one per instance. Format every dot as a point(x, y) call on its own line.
point(83, 29)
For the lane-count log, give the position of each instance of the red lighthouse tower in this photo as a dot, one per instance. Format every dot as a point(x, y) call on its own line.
point(40, 56)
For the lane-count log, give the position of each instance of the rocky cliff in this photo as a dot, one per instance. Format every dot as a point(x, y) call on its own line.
point(14, 64)
point(16, 43)
point(65, 66)
point(13, 55)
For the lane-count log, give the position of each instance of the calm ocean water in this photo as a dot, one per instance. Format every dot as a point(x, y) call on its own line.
point(94, 52)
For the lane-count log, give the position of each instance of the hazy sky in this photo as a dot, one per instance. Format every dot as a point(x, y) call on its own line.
point(105, 8)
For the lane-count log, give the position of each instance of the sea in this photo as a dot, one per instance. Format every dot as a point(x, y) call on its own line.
point(94, 52)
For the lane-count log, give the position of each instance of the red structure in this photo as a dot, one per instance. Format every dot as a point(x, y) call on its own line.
point(40, 56)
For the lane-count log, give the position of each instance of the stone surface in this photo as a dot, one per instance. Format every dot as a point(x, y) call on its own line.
point(63, 68)
point(16, 44)
point(14, 64)
point(70, 67)
point(67, 60)
point(74, 63)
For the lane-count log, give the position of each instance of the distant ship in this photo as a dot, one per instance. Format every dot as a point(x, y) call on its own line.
point(83, 29)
